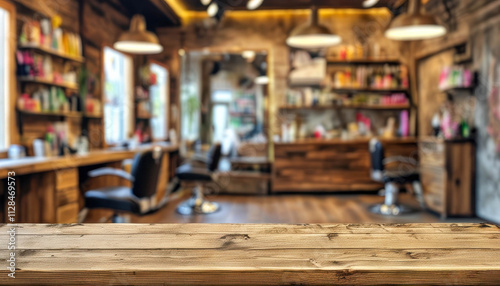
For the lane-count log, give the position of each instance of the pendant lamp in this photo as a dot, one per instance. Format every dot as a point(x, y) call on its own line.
point(138, 40)
point(413, 25)
point(313, 35)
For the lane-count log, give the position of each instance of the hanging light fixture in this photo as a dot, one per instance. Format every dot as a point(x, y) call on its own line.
point(414, 25)
point(213, 9)
point(138, 40)
point(313, 35)
point(254, 4)
point(205, 2)
point(369, 3)
point(262, 78)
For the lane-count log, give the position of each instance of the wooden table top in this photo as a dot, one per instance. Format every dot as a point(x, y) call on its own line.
point(252, 254)
point(33, 165)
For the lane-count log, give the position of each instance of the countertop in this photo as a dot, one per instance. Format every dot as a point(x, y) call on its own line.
point(31, 165)
point(253, 254)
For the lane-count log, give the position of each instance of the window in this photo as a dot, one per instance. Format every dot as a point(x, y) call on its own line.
point(4, 77)
point(118, 103)
point(159, 105)
point(221, 99)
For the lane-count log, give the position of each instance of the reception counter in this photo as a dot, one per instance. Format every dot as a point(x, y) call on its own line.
point(228, 254)
point(331, 165)
point(48, 190)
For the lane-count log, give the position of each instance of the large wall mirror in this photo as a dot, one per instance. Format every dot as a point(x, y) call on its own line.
point(223, 96)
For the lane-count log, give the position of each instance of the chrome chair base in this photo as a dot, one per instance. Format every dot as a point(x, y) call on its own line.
point(392, 210)
point(197, 204)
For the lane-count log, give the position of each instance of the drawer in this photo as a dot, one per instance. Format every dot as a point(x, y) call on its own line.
point(66, 178)
point(68, 213)
point(432, 154)
point(67, 196)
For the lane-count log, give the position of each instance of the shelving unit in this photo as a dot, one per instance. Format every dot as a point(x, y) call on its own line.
point(52, 52)
point(51, 113)
point(28, 119)
point(148, 117)
point(369, 61)
point(41, 81)
point(355, 88)
point(368, 89)
point(456, 90)
point(92, 116)
point(337, 107)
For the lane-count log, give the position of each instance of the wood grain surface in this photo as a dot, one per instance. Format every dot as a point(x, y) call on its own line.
point(253, 254)
point(331, 165)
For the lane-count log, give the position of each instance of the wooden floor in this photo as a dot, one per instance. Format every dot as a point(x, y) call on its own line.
point(295, 209)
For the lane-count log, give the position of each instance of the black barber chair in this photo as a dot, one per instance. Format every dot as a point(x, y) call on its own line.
point(200, 176)
point(140, 199)
point(405, 174)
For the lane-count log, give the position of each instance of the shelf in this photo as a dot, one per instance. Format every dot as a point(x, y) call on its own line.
point(48, 83)
point(338, 107)
point(454, 90)
point(379, 61)
point(52, 52)
point(93, 116)
point(368, 89)
point(145, 117)
point(52, 113)
point(242, 114)
point(351, 89)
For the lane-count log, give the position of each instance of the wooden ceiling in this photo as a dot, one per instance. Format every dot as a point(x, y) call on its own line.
point(195, 5)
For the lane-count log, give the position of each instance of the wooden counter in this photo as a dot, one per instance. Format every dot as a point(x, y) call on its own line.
point(227, 254)
point(331, 165)
point(50, 190)
point(37, 165)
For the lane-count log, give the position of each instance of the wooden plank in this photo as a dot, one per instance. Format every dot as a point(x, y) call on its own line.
point(229, 254)
point(255, 241)
point(353, 228)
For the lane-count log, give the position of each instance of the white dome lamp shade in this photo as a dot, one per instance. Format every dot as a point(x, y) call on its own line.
point(369, 3)
point(205, 2)
point(262, 78)
point(138, 40)
point(213, 9)
point(313, 35)
point(414, 26)
point(254, 4)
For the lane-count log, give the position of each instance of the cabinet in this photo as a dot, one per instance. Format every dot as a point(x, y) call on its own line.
point(448, 176)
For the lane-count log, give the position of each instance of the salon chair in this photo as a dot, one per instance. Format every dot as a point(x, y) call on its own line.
point(140, 199)
point(200, 172)
point(405, 174)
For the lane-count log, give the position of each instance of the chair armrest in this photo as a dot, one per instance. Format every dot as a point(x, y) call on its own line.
point(111, 172)
point(401, 159)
